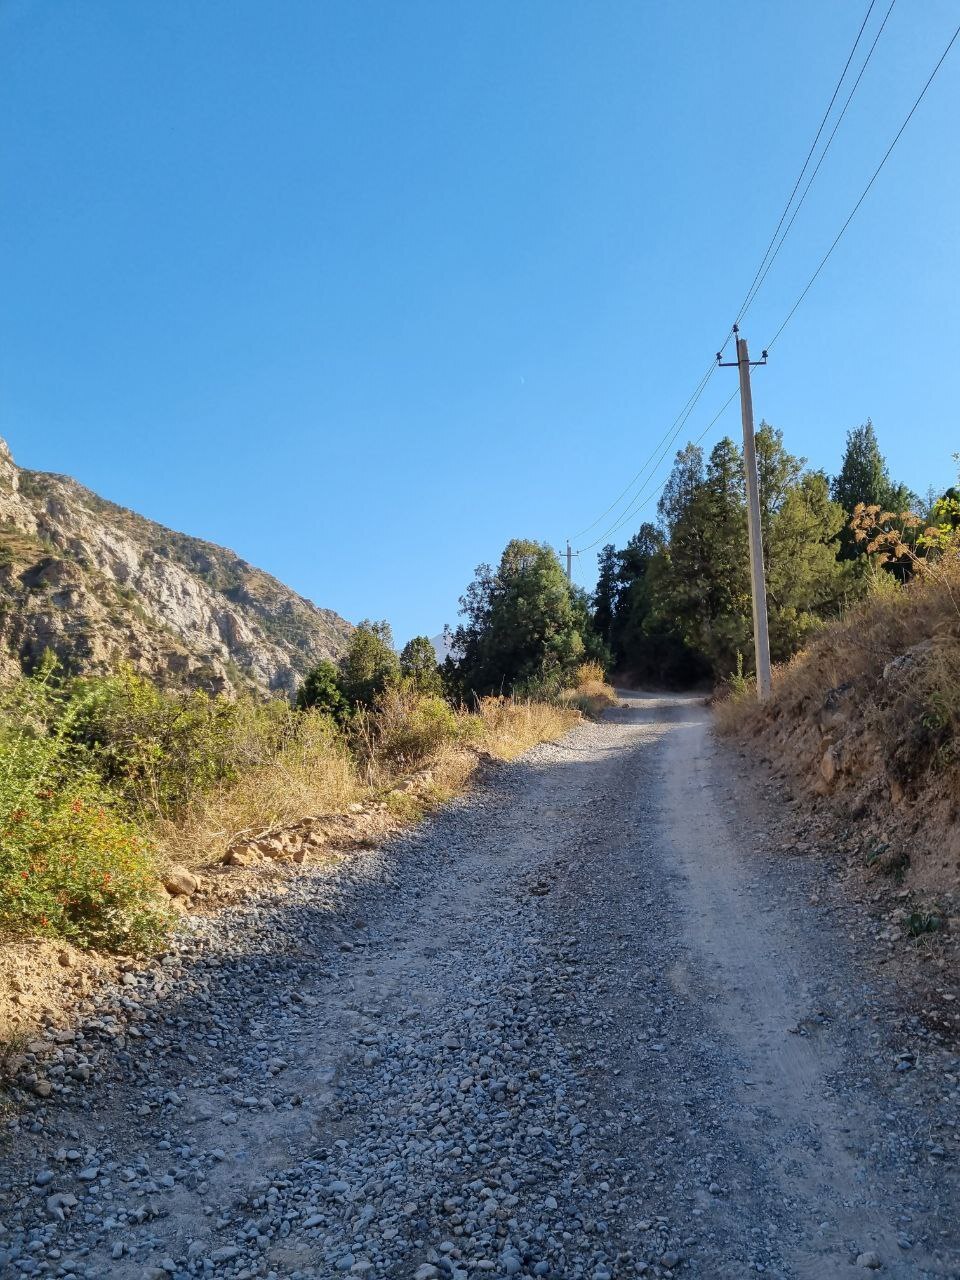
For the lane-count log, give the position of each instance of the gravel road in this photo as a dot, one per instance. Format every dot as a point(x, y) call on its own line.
point(584, 1023)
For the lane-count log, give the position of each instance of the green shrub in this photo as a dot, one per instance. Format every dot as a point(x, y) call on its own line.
point(322, 691)
point(407, 728)
point(157, 749)
point(70, 865)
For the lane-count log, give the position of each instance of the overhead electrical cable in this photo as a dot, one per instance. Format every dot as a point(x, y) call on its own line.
point(758, 282)
point(684, 414)
point(813, 146)
point(698, 392)
point(643, 497)
point(863, 195)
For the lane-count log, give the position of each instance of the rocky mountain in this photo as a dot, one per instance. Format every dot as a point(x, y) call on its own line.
point(97, 583)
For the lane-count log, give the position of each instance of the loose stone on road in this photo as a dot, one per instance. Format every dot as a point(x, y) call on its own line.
point(582, 1024)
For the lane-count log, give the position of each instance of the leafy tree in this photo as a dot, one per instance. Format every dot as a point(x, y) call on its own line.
point(863, 477)
point(632, 598)
point(369, 664)
point(805, 580)
point(700, 585)
point(595, 648)
point(607, 593)
point(418, 665)
point(322, 689)
point(684, 604)
point(521, 624)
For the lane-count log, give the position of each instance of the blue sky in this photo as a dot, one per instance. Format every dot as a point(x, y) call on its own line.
point(362, 290)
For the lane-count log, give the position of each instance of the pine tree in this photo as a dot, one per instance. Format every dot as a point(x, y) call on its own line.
point(864, 477)
point(418, 665)
point(606, 593)
point(370, 663)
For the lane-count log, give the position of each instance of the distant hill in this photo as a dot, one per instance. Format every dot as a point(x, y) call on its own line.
point(97, 583)
point(441, 647)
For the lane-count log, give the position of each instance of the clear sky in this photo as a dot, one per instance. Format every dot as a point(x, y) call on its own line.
point(364, 289)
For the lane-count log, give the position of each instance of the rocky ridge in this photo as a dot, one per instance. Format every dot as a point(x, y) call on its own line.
point(95, 582)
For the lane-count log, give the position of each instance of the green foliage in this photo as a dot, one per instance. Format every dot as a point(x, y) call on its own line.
point(923, 922)
point(942, 529)
point(606, 596)
point(418, 665)
point(677, 600)
point(410, 727)
point(523, 624)
point(70, 864)
point(369, 665)
point(322, 690)
point(364, 673)
point(156, 749)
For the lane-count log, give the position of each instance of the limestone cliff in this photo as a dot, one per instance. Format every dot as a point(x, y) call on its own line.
point(97, 583)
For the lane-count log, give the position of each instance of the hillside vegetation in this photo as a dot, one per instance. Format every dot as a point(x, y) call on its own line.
point(673, 606)
point(868, 714)
point(114, 792)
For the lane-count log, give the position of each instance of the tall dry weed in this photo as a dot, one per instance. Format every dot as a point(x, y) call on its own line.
point(508, 726)
point(313, 774)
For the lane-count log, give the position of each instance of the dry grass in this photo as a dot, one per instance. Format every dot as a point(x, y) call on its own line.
point(508, 727)
point(592, 698)
point(318, 775)
point(868, 719)
point(856, 649)
point(591, 695)
point(315, 774)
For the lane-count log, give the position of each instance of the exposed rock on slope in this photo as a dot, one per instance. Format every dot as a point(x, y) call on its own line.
point(96, 583)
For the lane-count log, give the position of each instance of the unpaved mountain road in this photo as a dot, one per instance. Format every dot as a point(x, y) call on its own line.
point(584, 1023)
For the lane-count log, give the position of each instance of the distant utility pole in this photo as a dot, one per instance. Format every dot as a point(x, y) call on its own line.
point(761, 631)
point(569, 563)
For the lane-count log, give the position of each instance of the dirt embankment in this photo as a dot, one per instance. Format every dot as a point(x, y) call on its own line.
point(863, 728)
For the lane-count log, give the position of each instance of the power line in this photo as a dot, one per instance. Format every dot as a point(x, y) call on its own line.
point(758, 283)
point(786, 208)
point(683, 414)
point(671, 434)
point(639, 500)
point(863, 195)
point(667, 443)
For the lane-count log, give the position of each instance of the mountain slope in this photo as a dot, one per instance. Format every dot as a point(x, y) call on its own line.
point(97, 583)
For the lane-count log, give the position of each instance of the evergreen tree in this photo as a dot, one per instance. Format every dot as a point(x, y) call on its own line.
point(863, 477)
point(321, 689)
point(418, 665)
point(521, 623)
point(628, 635)
point(805, 580)
point(720, 627)
point(369, 664)
point(606, 593)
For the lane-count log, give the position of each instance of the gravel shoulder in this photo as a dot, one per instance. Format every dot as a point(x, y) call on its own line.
point(588, 1021)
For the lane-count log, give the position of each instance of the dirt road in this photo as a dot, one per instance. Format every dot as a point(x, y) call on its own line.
point(585, 1023)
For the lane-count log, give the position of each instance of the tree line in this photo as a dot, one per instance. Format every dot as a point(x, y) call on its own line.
point(672, 606)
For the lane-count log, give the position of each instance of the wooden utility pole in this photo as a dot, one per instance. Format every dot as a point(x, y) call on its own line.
point(761, 632)
point(569, 563)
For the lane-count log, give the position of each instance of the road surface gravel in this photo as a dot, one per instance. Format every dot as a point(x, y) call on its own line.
point(585, 1022)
